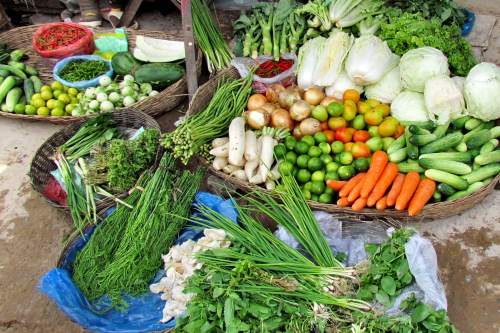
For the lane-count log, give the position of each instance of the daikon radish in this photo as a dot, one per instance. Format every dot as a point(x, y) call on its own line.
point(229, 169)
point(266, 156)
point(240, 174)
point(257, 179)
point(219, 163)
point(219, 142)
point(251, 146)
point(237, 141)
point(251, 168)
point(220, 151)
point(270, 184)
point(274, 174)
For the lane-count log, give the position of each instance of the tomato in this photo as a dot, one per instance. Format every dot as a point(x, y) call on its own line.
point(363, 107)
point(374, 117)
point(324, 125)
point(348, 146)
point(344, 134)
point(388, 127)
point(337, 122)
point(360, 149)
point(384, 108)
point(350, 110)
point(351, 94)
point(399, 131)
point(372, 102)
point(361, 136)
point(330, 135)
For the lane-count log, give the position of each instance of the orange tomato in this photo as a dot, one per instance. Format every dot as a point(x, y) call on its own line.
point(374, 117)
point(372, 102)
point(330, 136)
point(360, 149)
point(399, 131)
point(363, 107)
point(337, 122)
point(348, 146)
point(324, 125)
point(351, 94)
point(386, 110)
point(344, 134)
point(361, 136)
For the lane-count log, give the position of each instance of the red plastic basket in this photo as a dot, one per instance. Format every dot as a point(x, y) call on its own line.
point(83, 45)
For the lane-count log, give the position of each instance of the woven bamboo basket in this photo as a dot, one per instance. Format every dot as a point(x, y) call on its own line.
point(154, 106)
point(431, 211)
point(42, 163)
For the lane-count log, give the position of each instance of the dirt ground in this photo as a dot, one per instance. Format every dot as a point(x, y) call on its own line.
point(32, 234)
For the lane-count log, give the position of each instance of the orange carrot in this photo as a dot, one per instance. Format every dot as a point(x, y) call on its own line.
point(383, 183)
point(335, 185)
point(424, 193)
point(409, 186)
point(356, 191)
point(395, 190)
point(344, 192)
point(359, 204)
point(342, 202)
point(379, 161)
point(382, 203)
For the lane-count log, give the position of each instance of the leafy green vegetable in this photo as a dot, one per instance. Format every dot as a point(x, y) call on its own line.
point(406, 31)
point(446, 11)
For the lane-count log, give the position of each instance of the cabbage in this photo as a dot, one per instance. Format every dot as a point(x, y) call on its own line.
point(387, 88)
point(369, 60)
point(342, 83)
point(419, 65)
point(443, 99)
point(409, 106)
point(459, 82)
point(309, 54)
point(482, 91)
point(330, 63)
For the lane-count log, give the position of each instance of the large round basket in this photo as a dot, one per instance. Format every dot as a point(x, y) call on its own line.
point(165, 101)
point(431, 211)
point(42, 164)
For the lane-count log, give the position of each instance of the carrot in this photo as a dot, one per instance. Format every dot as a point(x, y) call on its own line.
point(395, 190)
point(335, 185)
point(383, 183)
point(356, 191)
point(359, 204)
point(342, 202)
point(379, 161)
point(344, 192)
point(409, 186)
point(424, 193)
point(382, 203)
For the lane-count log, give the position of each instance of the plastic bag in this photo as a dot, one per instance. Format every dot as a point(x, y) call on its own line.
point(81, 84)
point(109, 43)
point(143, 313)
point(84, 45)
point(287, 78)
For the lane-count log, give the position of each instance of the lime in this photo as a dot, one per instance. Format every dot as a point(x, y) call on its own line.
point(280, 151)
point(301, 148)
point(314, 151)
point(361, 164)
point(318, 176)
point(65, 89)
point(72, 91)
point(325, 148)
point(336, 158)
point(326, 158)
point(303, 176)
point(314, 197)
point(332, 167)
point(320, 113)
point(291, 157)
point(358, 122)
point(46, 95)
point(307, 194)
point(346, 157)
point(30, 109)
point(295, 170)
point(332, 175)
point(59, 104)
point(307, 186)
point(302, 161)
point(38, 102)
point(51, 103)
point(337, 147)
point(46, 88)
point(56, 85)
point(285, 168)
point(308, 139)
point(325, 198)
point(346, 172)
point(335, 109)
point(80, 95)
point(69, 108)
point(57, 112)
point(329, 190)
point(315, 164)
point(36, 96)
point(57, 93)
point(74, 100)
point(64, 98)
point(318, 187)
point(320, 137)
point(290, 142)
point(43, 111)
point(19, 108)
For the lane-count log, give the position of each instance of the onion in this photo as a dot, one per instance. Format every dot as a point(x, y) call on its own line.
point(297, 133)
point(300, 110)
point(256, 101)
point(327, 100)
point(257, 119)
point(281, 119)
point(269, 108)
point(310, 126)
point(273, 92)
point(288, 97)
point(314, 95)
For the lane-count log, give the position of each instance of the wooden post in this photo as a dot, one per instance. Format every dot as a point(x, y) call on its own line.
point(129, 12)
point(187, 28)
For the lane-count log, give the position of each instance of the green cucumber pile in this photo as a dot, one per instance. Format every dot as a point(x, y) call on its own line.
point(462, 156)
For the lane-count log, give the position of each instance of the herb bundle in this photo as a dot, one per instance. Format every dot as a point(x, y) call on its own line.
point(446, 11)
point(83, 70)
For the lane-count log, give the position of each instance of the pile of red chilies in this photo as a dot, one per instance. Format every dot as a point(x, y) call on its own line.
point(57, 37)
point(271, 68)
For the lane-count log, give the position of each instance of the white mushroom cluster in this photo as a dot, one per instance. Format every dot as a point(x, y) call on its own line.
point(180, 264)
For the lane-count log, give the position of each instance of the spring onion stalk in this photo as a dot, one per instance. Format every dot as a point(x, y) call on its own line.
point(209, 37)
point(198, 130)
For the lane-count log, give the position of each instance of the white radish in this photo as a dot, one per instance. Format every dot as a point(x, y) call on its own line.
point(251, 168)
point(219, 163)
point(274, 174)
point(270, 184)
point(240, 174)
point(266, 156)
point(257, 179)
point(237, 141)
point(219, 142)
point(229, 169)
point(251, 146)
point(220, 151)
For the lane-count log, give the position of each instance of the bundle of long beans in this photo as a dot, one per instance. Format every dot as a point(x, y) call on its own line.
point(209, 37)
point(199, 129)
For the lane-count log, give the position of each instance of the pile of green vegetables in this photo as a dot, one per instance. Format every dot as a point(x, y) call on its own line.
point(83, 70)
point(448, 12)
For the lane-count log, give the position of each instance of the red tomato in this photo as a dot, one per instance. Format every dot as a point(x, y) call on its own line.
point(343, 134)
point(330, 135)
point(399, 131)
point(360, 149)
point(324, 125)
point(361, 136)
point(348, 146)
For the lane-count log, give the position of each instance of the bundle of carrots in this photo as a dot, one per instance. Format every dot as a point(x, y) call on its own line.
point(369, 189)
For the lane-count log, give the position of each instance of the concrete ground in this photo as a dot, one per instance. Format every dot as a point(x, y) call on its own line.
point(32, 235)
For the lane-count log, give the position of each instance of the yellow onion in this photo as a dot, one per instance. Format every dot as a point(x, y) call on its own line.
point(257, 119)
point(288, 97)
point(300, 110)
point(281, 119)
point(314, 95)
point(310, 126)
point(256, 101)
point(273, 92)
point(297, 133)
point(269, 108)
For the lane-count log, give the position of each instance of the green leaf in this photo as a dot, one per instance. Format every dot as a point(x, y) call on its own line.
point(228, 311)
point(420, 313)
point(402, 269)
point(388, 285)
point(365, 294)
point(371, 249)
point(407, 278)
point(217, 292)
point(383, 298)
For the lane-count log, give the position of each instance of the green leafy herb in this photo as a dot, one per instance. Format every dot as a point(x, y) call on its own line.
point(83, 70)
point(446, 11)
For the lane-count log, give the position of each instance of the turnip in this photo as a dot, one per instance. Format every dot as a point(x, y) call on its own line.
point(128, 78)
point(93, 104)
point(114, 97)
point(90, 93)
point(106, 106)
point(104, 81)
point(128, 101)
point(127, 91)
point(101, 97)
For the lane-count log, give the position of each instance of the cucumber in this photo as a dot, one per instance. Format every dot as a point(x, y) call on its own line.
point(29, 90)
point(488, 125)
point(478, 139)
point(398, 155)
point(457, 168)
point(447, 178)
point(437, 196)
point(442, 144)
point(411, 149)
point(422, 139)
point(472, 123)
point(488, 146)
point(460, 122)
point(408, 166)
point(6, 86)
point(488, 158)
point(495, 132)
point(446, 189)
point(475, 166)
point(4, 73)
point(396, 145)
point(461, 147)
point(4, 107)
point(1, 79)
point(30, 70)
point(440, 130)
point(470, 190)
point(12, 98)
point(18, 65)
point(490, 170)
point(15, 71)
point(454, 156)
point(474, 152)
point(414, 129)
point(37, 83)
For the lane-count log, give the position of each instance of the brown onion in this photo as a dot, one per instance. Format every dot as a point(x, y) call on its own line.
point(310, 126)
point(269, 108)
point(300, 110)
point(314, 95)
point(297, 133)
point(256, 101)
point(281, 119)
point(273, 92)
point(327, 100)
point(288, 97)
point(257, 119)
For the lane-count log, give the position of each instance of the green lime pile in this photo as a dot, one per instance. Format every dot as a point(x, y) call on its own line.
point(55, 100)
